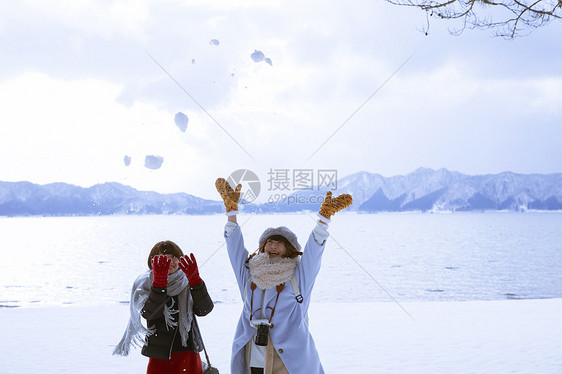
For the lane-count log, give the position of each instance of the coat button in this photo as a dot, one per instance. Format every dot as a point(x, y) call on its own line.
point(280, 350)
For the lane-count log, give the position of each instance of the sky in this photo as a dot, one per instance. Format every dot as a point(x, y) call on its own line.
point(352, 86)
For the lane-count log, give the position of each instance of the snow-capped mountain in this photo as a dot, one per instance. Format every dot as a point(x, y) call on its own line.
point(444, 190)
point(422, 190)
point(24, 198)
point(439, 190)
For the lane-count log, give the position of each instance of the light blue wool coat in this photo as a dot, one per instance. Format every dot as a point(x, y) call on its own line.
point(290, 335)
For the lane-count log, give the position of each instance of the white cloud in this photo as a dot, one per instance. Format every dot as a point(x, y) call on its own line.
point(81, 92)
point(548, 95)
point(126, 18)
point(77, 132)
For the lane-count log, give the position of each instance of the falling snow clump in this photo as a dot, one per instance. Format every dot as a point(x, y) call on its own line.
point(214, 42)
point(258, 56)
point(153, 162)
point(127, 160)
point(181, 121)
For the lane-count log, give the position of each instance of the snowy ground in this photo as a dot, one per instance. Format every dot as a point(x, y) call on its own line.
point(483, 290)
point(509, 336)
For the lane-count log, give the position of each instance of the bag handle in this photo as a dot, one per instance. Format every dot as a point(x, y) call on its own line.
point(203, 343)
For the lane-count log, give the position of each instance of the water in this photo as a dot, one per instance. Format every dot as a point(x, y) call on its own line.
point(381, 257)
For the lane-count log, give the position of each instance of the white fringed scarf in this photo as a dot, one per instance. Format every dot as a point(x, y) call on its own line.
point(267, 273)
point(136, 332)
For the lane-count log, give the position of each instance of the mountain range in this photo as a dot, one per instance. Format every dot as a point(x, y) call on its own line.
point(421, 190)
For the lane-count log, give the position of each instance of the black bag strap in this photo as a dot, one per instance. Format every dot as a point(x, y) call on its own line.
point(203, 343)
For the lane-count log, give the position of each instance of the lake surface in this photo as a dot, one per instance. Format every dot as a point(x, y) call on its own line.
point(48, 261)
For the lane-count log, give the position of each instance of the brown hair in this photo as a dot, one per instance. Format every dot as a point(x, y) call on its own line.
point(292, 252)
point(164, 248)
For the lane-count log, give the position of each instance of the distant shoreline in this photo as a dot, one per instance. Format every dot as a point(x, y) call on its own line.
point(412, 212)
point(423, 190)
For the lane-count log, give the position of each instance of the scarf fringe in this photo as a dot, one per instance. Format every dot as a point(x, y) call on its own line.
point(169, 311)
point(136, 333)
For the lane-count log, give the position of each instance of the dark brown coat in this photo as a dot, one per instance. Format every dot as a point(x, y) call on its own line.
point(167, 339)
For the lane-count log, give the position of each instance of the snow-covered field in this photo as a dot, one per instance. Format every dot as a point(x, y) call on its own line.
point(397, 293)
point(509, 336)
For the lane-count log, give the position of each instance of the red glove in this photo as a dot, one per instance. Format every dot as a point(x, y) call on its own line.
point(160, 268)
point(189, 266)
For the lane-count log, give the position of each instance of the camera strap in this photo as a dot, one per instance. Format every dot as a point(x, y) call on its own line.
point(253, 287)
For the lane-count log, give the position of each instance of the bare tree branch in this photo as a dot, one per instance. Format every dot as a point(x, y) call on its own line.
point(507, 18)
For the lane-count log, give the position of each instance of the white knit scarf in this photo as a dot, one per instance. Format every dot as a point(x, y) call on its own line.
point(135, 332)
point(267, 273)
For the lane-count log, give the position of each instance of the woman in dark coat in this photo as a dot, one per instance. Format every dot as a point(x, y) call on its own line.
point(168, 296)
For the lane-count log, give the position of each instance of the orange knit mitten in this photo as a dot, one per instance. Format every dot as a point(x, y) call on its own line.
point(332, 205)
point(229, 196)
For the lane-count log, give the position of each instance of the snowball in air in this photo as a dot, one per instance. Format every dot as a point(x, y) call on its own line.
point(181, 121)
point(257, 56)
point(153, 162)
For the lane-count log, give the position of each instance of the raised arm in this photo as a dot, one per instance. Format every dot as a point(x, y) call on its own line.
point(312, 257)
point(154, 305)
point(233, 235)
point(202, 302)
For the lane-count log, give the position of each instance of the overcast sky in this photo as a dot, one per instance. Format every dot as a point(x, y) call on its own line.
point(85, 83)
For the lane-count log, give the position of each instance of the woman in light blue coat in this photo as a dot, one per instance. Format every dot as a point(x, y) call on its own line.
point(275, 283)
